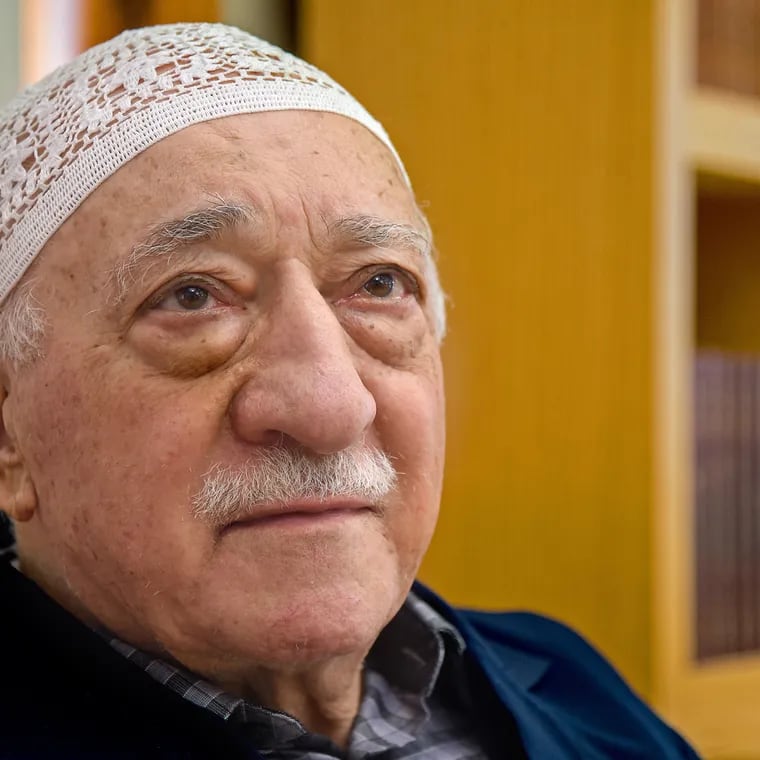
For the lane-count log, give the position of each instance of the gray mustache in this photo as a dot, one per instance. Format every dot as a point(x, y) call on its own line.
point(280, 475)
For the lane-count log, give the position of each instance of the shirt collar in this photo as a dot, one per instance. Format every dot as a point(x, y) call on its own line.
point(408, 654)
point(410, 651)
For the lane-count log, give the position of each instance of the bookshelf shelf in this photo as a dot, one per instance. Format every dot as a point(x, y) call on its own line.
point(709, 301)
point(724, 138)
point(724, 732)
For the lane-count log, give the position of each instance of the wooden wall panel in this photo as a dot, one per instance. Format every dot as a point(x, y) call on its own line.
point(526, 126)
point(103, 19)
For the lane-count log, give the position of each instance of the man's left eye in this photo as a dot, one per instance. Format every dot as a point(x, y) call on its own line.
point(385, 285)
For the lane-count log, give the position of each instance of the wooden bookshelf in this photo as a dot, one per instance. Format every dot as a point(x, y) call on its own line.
point(723, 137)
point(709, 297)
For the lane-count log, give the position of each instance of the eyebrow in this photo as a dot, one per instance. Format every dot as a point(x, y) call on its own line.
point(223, 217)
point(168, 237)
point(366, 230)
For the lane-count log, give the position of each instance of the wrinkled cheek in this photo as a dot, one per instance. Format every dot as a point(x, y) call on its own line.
point(417, 444)
point(89, 460)
point(55, 440)
point(413, 529)
point(191, 352)
point(400, 342)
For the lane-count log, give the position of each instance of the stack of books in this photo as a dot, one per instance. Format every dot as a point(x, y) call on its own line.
point(727, 503)
point(728, 45)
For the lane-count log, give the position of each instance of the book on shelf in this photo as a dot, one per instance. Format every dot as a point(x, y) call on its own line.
point(746, 552)
point(728, 45)
point(727, 503)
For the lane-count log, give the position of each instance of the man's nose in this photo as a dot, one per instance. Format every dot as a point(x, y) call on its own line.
point(303, 382)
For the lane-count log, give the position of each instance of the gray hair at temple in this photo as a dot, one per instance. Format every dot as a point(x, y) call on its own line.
point(61, 138)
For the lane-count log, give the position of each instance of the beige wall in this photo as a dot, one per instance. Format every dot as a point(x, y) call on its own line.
point(9, 49)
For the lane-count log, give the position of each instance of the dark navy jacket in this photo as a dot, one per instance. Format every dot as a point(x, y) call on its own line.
point(566, 699)
point(64, 693)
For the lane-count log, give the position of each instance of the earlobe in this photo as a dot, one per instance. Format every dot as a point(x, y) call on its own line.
point(17, 495)
point(18, 498)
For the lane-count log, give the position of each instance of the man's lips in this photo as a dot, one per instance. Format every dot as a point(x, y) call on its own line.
point(301, 512)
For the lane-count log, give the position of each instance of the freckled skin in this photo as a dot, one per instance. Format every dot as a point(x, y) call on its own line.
point(131, 406)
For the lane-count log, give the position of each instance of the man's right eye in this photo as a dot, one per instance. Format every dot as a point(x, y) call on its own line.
point(186, 298)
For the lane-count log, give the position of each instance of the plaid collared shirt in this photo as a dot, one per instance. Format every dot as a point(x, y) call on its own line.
point(406, 710)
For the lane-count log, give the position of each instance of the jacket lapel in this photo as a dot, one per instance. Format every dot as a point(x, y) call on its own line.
point(514, 676)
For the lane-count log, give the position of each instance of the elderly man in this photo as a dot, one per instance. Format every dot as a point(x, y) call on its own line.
point(222, 436)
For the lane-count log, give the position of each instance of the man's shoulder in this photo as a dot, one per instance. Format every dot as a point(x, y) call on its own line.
point(532, 647)
point(538, 635)
point(525, 633)
point(553, 680)
point(67, 693)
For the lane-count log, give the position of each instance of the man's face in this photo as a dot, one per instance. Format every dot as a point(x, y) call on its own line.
point(284, 328)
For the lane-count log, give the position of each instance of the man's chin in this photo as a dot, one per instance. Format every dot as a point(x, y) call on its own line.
point(289, 637)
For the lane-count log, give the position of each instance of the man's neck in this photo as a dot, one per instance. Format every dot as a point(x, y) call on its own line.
point(324, 697)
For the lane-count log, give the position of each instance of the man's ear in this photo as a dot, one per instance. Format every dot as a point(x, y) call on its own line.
point(18, 499)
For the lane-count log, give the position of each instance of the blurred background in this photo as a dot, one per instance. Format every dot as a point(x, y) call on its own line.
point(591, 169)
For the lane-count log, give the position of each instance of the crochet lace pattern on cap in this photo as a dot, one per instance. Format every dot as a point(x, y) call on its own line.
point(62, 137)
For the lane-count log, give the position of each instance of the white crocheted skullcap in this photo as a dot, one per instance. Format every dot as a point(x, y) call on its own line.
point(60, 138)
